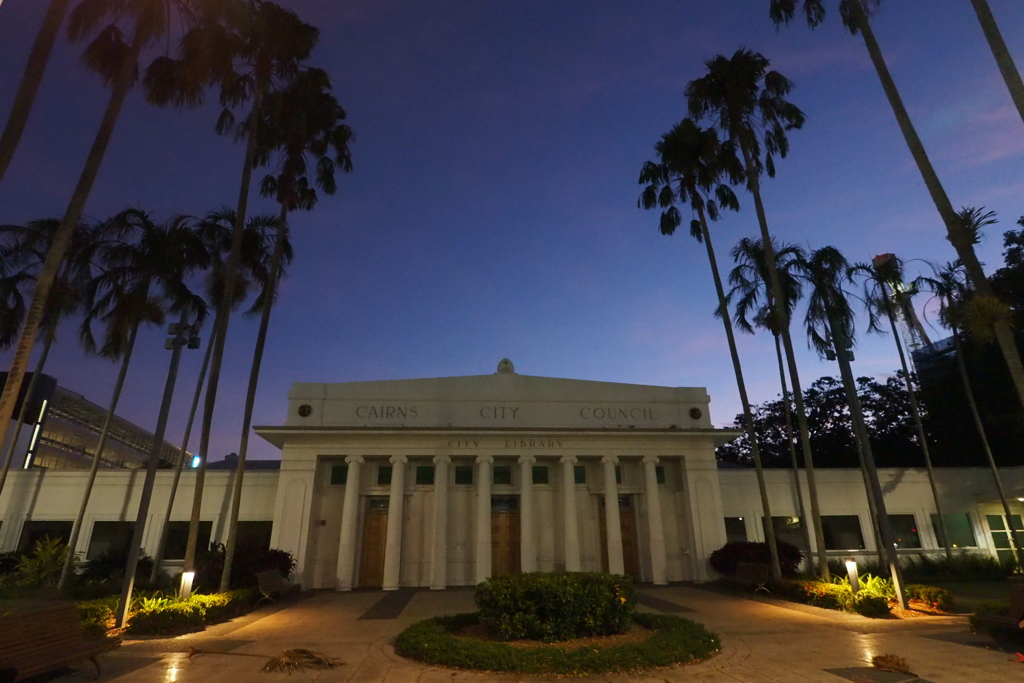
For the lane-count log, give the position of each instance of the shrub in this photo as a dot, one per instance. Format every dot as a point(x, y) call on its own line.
point(828, 595)
point(676, 640)
point(109, 567)
point(870, 605)
point(247, 563)
point(549, 607)
point(161, 615)
point(938, 598)
point(725, 559)
point(96, 615)
point(41, 568)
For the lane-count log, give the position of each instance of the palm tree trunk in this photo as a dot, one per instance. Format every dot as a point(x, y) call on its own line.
point(22, 414)
point(220, 330)
point(999, 50)
point(748, 418)
point(30, 80)
point(97, 455)
point(250, 397)
point(956, 232)
point(61, 239)
point(158, 558)
point(788, 412)
point(876, 527)
point(783, 326)
point(969, 392)
point(918, 423)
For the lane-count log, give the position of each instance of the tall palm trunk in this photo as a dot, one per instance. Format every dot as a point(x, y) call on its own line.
point(158, 558)
point(956, 231)
point(61, 239)
point(999, 50)
point(969, 392)
point(748, 418)
point(250, 397)
point(788, 412)
point(220, 330)
point(23, 413)
point(30, 80)
point(69, 561)
point(783, 326)
point(918, 423)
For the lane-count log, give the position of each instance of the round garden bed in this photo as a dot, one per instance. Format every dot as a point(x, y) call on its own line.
point(654, 640)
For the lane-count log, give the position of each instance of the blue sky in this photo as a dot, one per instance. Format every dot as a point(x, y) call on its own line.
point(492, 210)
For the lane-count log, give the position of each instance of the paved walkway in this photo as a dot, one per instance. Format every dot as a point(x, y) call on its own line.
point(762, 640)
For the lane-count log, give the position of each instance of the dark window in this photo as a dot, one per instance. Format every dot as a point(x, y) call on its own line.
point(384, 475)
point(379, 503)
point(502, 474)
point(842, 532)
point(34, 531)
point(540, 474)
point(339, 475)
point(110, 538)
point(659, 474)
point(177, 539)
point(960, 531)
point(618, 474)
point(1001, 536)
point(504, 503)
point(788, 529)
point(254, 535)
point(905, 529)
point(464, 474)
point(735, 530)
point(579, 472)
point(425, 475)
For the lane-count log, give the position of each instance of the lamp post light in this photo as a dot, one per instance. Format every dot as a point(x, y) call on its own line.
point(851, 570)
point(182, 334)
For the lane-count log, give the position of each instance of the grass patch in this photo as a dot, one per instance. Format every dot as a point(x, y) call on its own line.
point(675, 640)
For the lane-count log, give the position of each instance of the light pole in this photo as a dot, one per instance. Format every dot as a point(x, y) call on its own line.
point(181, 334)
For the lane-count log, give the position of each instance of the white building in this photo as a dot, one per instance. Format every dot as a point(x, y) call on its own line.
point(444, 482)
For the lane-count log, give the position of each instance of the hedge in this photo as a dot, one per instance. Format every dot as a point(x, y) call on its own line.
point(871, 601)
point(675, 640)
point(725, 559)
point(176, 617)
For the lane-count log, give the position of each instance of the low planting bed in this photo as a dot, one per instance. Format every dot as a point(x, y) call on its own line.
point(568, 623)
point(875, 599)
point(167, 616)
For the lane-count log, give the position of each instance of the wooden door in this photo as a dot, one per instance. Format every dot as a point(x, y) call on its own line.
point(504, 535)
point(627, 523)
point(375, 533)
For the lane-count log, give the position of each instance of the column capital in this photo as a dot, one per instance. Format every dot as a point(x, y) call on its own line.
point(613, 459)
point(568, 460)
point(398, 459)
point(484, 460)
point(442, 459)
point(651, 460)
point(354, 460)
point(527, 460)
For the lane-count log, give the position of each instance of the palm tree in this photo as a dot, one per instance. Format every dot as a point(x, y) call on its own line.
point(753, 308)
point(747, 102)
point(690, 169)
point(30, 80)
point(831, 332)
point(303, 121)
point(954, 295)
point(256, 49)
point(1002, 54)
point(142, 277)
point(856, 15)
point(128, 26)
point(883, 283)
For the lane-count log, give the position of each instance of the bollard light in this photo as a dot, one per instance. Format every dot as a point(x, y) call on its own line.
point(851, 569)
point(186, 585)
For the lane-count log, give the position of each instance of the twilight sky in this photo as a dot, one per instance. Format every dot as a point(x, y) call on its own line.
point(492, 210)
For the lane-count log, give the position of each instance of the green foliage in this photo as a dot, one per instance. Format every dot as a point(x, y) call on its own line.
point(868, 605)
point(109, 566)
point(725, 559)
point(166, 616)
point(938, 598)
point(41, 568)
point(550, 607)
point(676, 640)
point(247, 563)
point(872, 600)
point(963, 567)
point(1007, 631)
point(97, 615)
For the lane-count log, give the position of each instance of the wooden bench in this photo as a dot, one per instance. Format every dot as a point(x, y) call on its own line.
point(1014, 617)
point(272, 583)
point(753, 574)
point(46, 640)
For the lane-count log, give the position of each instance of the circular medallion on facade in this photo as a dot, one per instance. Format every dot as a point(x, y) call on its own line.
point(305, 410)
point(695, 413)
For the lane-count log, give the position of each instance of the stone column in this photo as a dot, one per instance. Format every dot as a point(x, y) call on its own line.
point(612, 523)
point(349, 513)
point(483, 517)
point(572, 531)
point(396, 516)
point(439, 550)
point(655, 526)
point(527, 540)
